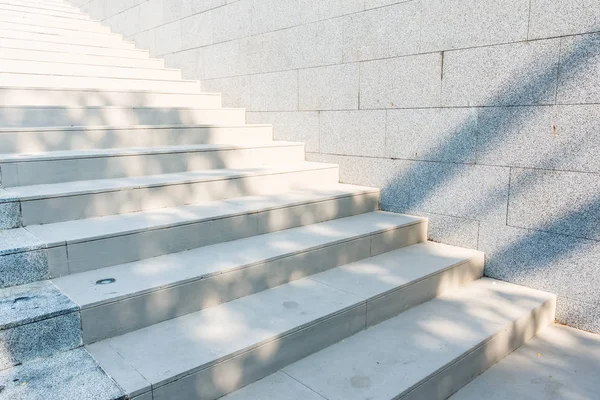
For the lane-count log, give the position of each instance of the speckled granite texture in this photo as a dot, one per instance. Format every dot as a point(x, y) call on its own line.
point(23, 258)
point(68, 375)
point(36, 320)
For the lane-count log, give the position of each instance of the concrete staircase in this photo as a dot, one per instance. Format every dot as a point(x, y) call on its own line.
point(155, 246)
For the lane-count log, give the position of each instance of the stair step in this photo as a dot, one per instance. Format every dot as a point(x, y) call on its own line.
point(219, 349)
point(24, 44)
point(43, 314)
point(106, 41)
point(51, 22)
point(79, 82)
point(206, 270)
point(25, 140)
point(54, 97)
point(62, 31)
point(87, 59)
point(67, 375)
point(68, 166)
point(20, 305)
point(55, 6)
point(75, 15)
point(41, 204)
point(33, 117)
point(427, 352)
point(79, 70)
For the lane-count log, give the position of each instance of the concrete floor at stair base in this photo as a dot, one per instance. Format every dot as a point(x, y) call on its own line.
point(560, 363)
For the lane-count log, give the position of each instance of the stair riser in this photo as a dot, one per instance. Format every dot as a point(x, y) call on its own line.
point(43, 5)
point(40, 117)
point(71, 15)
point(44, 172)
point(51, 39)
point(76, 82)
point(72, 48)
point(235, 372)
point(137, 312)
point(38, 55)
point(46, 68)
point(51, 21)
point(88, 205)
point(64, 31)
point(57, 140)
point(40, 339)
point(74, 98)
point(38, 20)
point(453, 377)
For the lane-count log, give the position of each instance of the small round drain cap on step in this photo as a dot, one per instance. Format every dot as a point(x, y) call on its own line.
point(106, 281)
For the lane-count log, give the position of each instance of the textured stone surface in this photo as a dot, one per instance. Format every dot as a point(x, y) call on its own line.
point(352, 132)
point(329, 88)
point(460, 190)
point(454, 231)
point(563, 17)
point(555, 201)
point(168, 38)
point(382, 32)
point(68, 375)
point(559, 264)
point(511, 74)
point(435, 134)
point(560, 137)
point(235, 90)
point(314, 10)
point(274, 92)
point(10, 215)
point(197, 30)
point(30, 303)
point(411, 81)
point(188, 61)
point(225, 59)
point(316, 44)
point(39, 339)
point(578, 314)
point(291, 126)
point(18, 240)
point(468, 23)
point(272, 15)
point(579, 74)
point(25, 267)
point(375, 172)
point(233, 21)
point(22, 258)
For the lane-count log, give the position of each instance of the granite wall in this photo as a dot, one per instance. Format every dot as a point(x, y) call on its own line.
point(482, 115)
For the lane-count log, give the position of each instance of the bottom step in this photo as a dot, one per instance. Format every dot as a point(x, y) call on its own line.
point(428, 352)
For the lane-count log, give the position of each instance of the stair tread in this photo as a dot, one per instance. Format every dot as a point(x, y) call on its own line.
point(107, 226)
point(123, 127)
point(172, 349)
point(125, 151)
point(101, 185)
point(177, 268)
point(396, 356)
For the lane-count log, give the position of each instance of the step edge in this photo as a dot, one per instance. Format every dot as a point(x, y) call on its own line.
point(197, 220)
point(12, 198)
